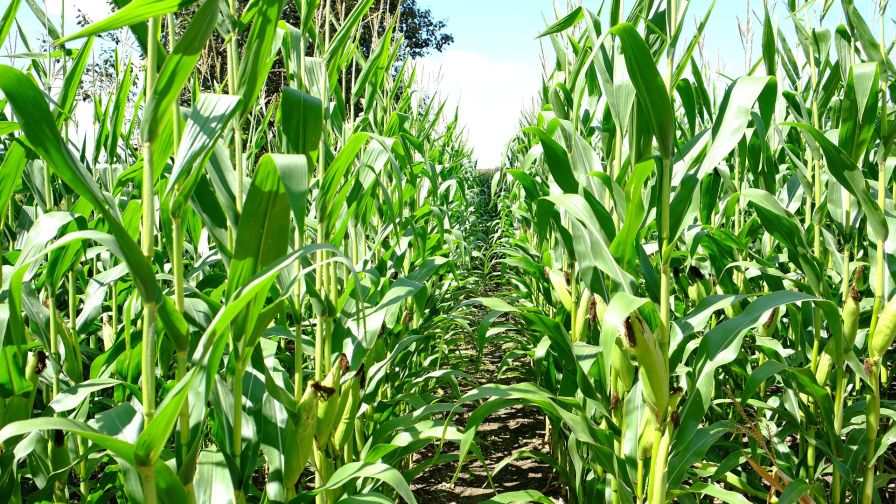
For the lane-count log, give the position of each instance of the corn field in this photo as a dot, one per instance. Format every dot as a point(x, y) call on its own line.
point(685, 277)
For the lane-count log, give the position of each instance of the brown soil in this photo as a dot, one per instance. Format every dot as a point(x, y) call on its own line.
point(506, 432)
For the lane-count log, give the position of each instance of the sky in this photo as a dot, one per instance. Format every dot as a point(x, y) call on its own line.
point(95, 10)
point(493, 69)
point(83, 129)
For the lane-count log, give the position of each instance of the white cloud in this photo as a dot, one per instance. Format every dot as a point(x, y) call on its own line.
point(491, 96)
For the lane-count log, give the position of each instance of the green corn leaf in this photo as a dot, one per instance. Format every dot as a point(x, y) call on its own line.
point(863, 34)
point(294, 172)
point(13, 356)
point(72, 81)
point(339, 50)
point(566, 22)
point(850, 177)
point(684, 204)
point(11, 170)
point(307, 8)
point(213, 215)
point(557, 161)
point(376, 470)
point(769, 47)
point(176, 72)
point(715, 490)
point(616, 86)
point(635, 211)
point(169, 488)
point(576, 207)
point(333, 191)
point(71, 397)
point(62, 260)
point(794, 491)
point(519, 496)
point(39, 127)
point(686, 57)
point(782, 225)
point(213, 483)
point(154, 436)
point(262, 238)
point(734, 115)
point(208, 351)
point(117, 114)
point(136, 11)
point(649, 86)
point(7, 127)
point(263, 233)
point(121, 449)
point(9, 16)
point(720, 346)
point(694, 450)
point(206, 123)
point(859, 109)
point(844, 45)
point(301, 119)
point(257, 55)
point(376, 67)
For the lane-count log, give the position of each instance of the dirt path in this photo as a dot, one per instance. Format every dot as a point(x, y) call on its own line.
point(503, 434)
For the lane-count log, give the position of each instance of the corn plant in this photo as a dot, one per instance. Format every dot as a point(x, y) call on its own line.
point(698, 269)
point(232, 296)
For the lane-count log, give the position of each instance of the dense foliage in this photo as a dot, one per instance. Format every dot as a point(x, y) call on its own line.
point(704, 275)
point(234, 292)
point(196, 306)
point(421, 33)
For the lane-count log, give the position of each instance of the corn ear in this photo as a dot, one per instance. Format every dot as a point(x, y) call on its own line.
point(767, 329)
point(654, 370)
point(108, 333)
point(851, 312)
point(622, 364)
point(732, 310)
point(597, 310)
point(882, 337)
point(328, 409)
point(645, 435)
point(561, 289)
point(581, 326)
point(698, 286)
point(823, 371)
point(304, 434)
point(346, 426)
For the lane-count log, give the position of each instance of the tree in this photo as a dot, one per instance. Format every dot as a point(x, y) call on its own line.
point(422, 32)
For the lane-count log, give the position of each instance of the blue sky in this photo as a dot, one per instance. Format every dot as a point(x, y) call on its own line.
point(506, 29)
point(493, 68)
point(497, 38)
